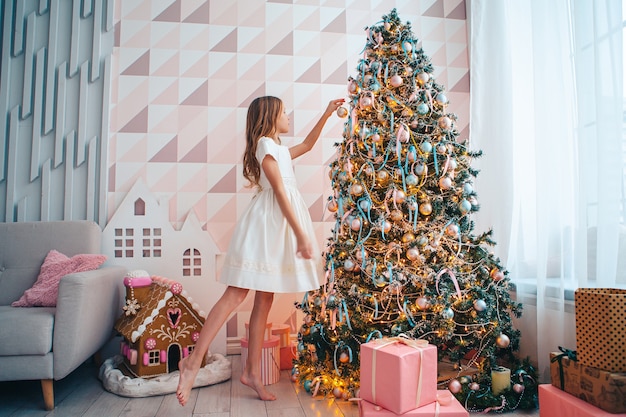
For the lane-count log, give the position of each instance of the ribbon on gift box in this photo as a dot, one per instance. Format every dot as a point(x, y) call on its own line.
point(418, 344)
point(440, 402)
point(571, 355)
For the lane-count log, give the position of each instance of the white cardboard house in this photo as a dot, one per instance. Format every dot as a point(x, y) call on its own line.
point(139, 235)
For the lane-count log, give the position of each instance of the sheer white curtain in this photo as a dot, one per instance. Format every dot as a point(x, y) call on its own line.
point(547, 110)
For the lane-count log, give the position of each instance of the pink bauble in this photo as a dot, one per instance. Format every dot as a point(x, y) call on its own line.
point(518, 388)
point(455, 386)
point(445, 182)
point(365, 102)
point(342, 112)
point(503, 341)
point(407, 46)
point(399, 196)
point(356, 189)
point(452, 230)
point(337, 392)
point(496, 274)
point(422, 78)
point(344, 358)
point(386, 226)
point(445, 123)
point(395, 81)
point(422, 303)
point(412, 254)
point(355, 225)
point(474, 386)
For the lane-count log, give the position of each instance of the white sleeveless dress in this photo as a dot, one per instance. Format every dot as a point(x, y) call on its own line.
point(262, 252)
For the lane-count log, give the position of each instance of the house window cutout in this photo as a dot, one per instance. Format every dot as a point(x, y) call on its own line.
point(124, 242)
point(140, 207)
point(151, 242)
point(192, 263)
point(154, 357)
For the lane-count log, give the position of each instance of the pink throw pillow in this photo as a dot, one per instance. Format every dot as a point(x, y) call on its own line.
point(45, 290)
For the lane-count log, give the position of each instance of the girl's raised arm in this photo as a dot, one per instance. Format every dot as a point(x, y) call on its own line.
point(310, 140)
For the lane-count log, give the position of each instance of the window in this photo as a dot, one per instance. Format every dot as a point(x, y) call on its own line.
point(124, 242)
point(153, 357)
point(192, 263)
point(151, 242)
point(140, 207)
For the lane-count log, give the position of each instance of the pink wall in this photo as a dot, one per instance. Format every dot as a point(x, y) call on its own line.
point(184, 72)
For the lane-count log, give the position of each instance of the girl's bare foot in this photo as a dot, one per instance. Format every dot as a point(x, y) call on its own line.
point(258, 386)
point(185, 381)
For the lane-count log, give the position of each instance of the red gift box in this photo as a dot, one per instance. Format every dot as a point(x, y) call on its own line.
point(556, 403)
point(398, 374)
point(287, 355)
point(445, 406)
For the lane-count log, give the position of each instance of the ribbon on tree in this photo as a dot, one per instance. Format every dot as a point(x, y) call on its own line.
point(571, 355)
point(452, 277)
point(340, 347)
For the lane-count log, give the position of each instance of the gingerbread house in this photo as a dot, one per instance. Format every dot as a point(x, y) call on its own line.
point(159, 326)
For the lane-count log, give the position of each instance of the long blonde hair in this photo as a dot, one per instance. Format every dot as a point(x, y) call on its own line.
point(263, 114)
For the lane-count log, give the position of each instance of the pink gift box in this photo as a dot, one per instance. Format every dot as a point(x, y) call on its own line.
point(270, 359)
point(446, 406)
point(398, 374)
point(556, 403)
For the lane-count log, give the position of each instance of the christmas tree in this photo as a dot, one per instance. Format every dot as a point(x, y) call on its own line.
point(402, 258)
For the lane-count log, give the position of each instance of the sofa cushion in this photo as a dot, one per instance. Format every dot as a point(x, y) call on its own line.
point(46, 289)
point(26, 331)
point(24, 247)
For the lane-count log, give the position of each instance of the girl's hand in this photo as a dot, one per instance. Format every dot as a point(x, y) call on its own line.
point(305, 249)
point(333, 105)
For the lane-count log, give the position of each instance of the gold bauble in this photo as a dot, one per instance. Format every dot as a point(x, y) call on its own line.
point(408, 237)
point(396, 215)
point(426, 209)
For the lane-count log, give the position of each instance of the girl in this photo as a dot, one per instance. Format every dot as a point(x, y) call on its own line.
point(273, 247)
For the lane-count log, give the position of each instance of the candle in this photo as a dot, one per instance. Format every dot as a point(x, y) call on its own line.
point(500, 380)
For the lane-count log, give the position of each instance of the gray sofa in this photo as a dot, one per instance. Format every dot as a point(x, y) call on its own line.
point(47, 343)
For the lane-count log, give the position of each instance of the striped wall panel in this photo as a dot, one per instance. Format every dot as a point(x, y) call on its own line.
point(54, 99)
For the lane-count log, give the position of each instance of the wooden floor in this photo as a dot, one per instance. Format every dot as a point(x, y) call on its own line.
point(81, 394)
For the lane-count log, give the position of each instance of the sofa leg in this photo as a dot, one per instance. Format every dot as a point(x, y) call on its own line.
point(48, 393)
